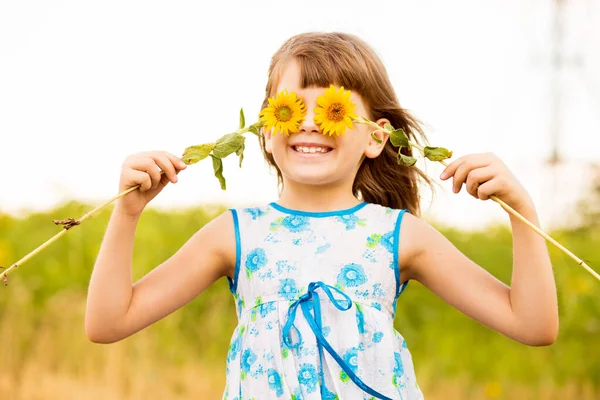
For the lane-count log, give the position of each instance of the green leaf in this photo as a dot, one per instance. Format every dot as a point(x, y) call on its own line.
point(406, 160)
point(399, 139)
point(242, 119)
point(240, 152)
point(218, 168)
point(375, 138)
point(389, 127)
point(254, 129)
point(436, 153)
point(193, 154)
point(228, 144)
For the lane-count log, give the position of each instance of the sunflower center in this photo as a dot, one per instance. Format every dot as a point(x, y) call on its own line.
point(283, 114)
point(335, 112)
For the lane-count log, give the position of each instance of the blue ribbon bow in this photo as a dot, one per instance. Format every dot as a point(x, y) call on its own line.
point(314, 321)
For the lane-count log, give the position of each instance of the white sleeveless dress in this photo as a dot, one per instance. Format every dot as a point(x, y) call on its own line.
point(315, 297)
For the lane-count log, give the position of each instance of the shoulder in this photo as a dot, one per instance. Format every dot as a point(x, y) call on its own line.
point(417, 237)
point(217, 239)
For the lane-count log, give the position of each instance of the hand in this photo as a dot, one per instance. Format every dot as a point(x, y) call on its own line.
point(486, 175)
point(143, 169)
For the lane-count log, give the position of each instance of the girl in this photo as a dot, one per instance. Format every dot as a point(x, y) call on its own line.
point(316, 274)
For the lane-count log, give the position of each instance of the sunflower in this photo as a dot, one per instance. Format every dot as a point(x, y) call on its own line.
point(335, 111)
point(285, 113)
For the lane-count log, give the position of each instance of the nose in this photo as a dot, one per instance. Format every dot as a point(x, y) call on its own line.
point(309, 125)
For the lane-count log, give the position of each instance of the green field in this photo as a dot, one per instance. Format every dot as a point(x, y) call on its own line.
point(44, 353)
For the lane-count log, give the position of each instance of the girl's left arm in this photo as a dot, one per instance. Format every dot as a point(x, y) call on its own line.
point(527, 311)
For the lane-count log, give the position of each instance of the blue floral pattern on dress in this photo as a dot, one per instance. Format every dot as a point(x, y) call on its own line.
point(307, 375)
point(256, 259)
point(295, 223)
point(373, 240)
point(352, 275)
point(351, 221)
point(284, 266)
point(266, 308)
point(351, 358)
point(377, 336)
point(236, 345)
point(275, 382)
point(248, 358)
point(387, 241)
point(288, 289)
point(360, 319)
point(398, 368)
point(255, 212)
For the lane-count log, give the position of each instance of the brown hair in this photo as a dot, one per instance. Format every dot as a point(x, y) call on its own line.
point(345, 60)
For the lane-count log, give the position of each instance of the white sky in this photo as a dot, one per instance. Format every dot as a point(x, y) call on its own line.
point(84, 84)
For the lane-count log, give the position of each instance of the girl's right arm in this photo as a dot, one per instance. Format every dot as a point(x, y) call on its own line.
point(116, 308)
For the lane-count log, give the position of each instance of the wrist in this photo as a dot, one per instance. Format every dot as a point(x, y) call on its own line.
point(120, 213)
point(526, 207)
point(522, 203)
point(527, 211)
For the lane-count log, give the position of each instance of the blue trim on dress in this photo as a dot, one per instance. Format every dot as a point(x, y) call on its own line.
point(319, 214)
point(238, 252)
point(399, 289)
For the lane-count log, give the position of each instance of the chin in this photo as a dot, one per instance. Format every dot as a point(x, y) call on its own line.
point(310, 178)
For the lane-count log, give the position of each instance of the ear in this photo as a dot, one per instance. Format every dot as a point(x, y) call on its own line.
point(374, 148)
point(268, 143)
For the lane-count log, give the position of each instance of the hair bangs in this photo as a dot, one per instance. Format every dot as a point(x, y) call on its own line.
point(322, 70)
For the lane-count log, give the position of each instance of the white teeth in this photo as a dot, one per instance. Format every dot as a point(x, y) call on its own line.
point(312, 150)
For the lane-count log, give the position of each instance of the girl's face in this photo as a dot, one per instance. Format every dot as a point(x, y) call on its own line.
point(335, 159)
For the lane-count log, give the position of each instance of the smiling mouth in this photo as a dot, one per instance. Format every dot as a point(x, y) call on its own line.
point(312, 149)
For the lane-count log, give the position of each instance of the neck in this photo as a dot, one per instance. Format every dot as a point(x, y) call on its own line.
point(317, 198)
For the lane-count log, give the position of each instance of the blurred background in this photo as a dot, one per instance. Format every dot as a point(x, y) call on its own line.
point(84, 84)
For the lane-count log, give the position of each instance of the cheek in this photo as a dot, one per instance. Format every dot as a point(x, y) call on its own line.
point(272, 143)
point(355, 143)
point(278, 145)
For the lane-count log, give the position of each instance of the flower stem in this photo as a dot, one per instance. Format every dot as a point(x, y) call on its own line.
point(545, 236)
point(505, 206)
point(48, 242)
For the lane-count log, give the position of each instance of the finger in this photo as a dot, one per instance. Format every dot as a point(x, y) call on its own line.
point(489, 188)
point(148, 165)
point(460, 175)
point(164, 181)
point(166, 165)
point(475, 159)
point(451, 168)
point(477, 177)
point(141, 178)
point(177, 162)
